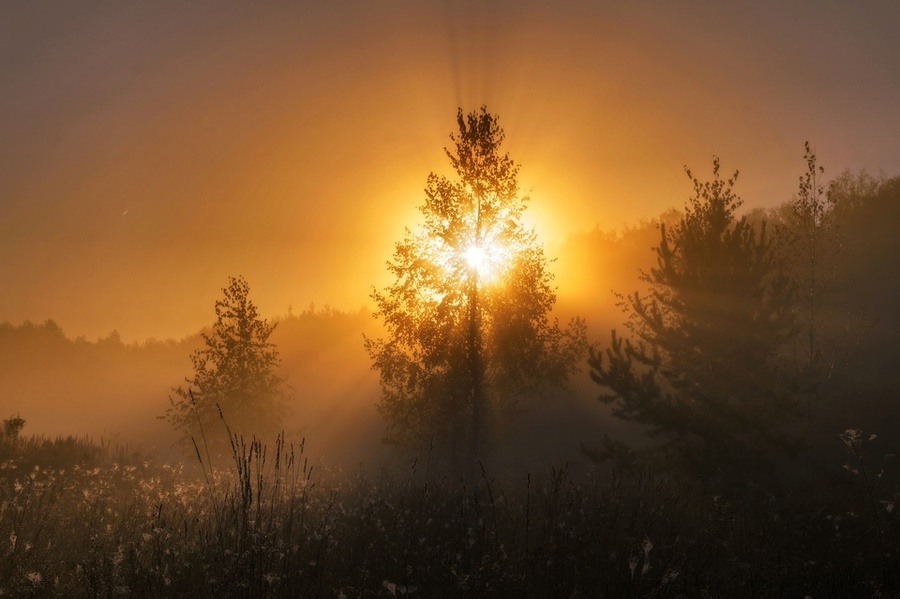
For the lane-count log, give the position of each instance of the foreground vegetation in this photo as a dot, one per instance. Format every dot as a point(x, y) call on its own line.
point(814, 516)
point(79, 518)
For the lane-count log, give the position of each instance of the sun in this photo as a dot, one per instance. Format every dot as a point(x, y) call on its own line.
point(487, 260)
point(483, 259)
point(476, 257)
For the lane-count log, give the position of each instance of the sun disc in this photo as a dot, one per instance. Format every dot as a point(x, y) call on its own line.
point(476, 257)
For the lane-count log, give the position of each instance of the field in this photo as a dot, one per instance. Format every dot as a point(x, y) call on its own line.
point(84, 519)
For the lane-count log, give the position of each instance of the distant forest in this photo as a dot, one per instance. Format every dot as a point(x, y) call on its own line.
point(109, 388)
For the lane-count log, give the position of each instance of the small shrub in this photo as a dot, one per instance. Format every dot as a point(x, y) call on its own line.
point(12, 426)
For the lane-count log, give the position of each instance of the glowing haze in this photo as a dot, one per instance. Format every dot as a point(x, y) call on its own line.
point(149, 150)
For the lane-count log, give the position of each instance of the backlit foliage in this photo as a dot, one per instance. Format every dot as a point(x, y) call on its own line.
point(467, 317)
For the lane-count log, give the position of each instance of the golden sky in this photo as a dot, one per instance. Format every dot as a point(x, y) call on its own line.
point(149, 150)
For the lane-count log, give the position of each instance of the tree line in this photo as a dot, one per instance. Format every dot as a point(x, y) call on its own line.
point(752, 339)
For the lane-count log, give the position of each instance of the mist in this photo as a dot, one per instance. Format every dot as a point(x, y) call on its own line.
point(111, 389)
point(84, 415)
point(115, 391)
point(259, 338)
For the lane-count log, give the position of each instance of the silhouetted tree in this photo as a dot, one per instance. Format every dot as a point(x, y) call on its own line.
point(12, 426)
point(866, 295)
point(702, 368)
point(467, 318)
point(867, 212)
point(234, 373)
point(811, 249)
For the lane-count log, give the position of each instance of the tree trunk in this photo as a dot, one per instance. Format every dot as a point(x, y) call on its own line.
point(475, 369)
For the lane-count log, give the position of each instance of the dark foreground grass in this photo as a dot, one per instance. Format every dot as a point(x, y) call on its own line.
point(79, 519)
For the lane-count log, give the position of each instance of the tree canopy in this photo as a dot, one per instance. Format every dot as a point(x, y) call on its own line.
point(469, 335)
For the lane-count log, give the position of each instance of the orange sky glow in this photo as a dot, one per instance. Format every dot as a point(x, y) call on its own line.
point(150, 150)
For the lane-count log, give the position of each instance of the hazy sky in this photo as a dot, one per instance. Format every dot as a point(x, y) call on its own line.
point(150, 149)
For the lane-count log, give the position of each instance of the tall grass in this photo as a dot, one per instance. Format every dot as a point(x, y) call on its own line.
point(79, 518)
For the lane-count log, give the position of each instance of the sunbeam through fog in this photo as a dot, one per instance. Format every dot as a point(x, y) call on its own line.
point(444, 299)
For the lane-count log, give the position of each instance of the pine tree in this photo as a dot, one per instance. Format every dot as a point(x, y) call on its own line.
point(235, 376)
point(701, 369)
